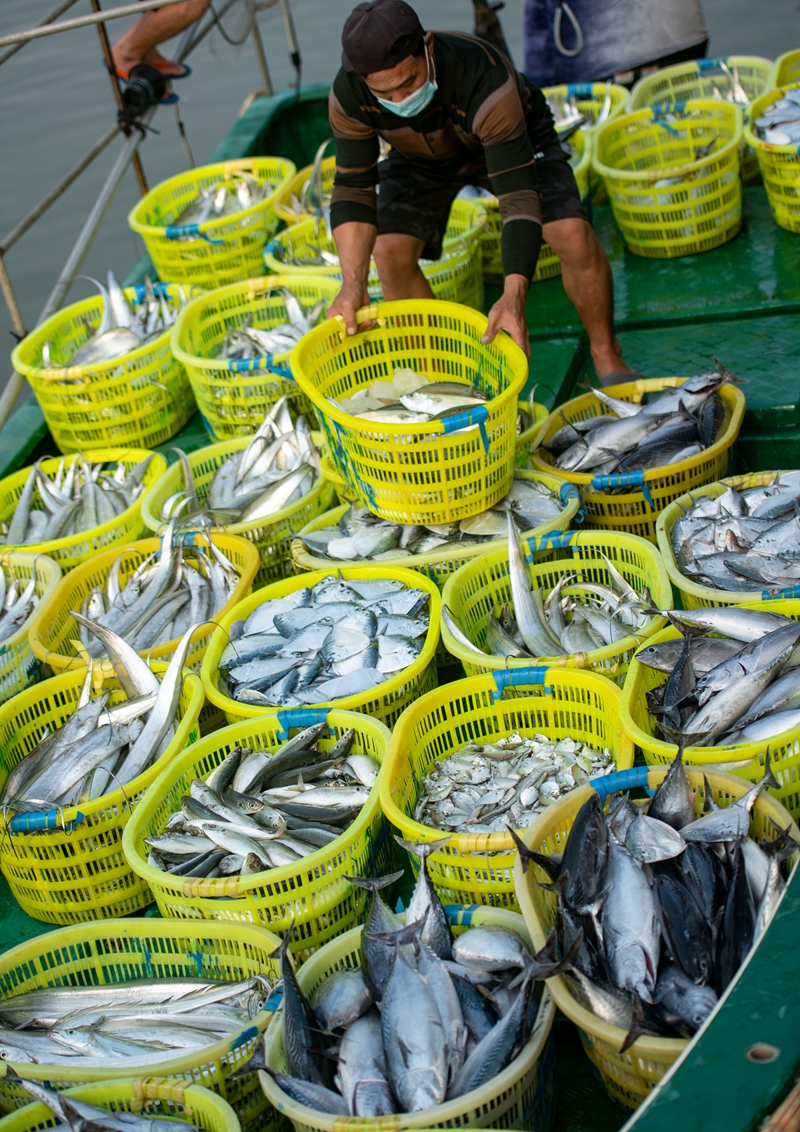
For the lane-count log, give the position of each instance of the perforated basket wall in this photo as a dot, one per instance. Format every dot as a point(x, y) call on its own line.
point(71, 551)
point(292, 192)
point(522, 1096)
point(69, 875)
point(115, 951)
point(478, 868)
point(779, 164)
point(785, 70)
point(53, 628)
point(385, 701)
point(745, 760)
point(668, 201)
point(19, 667)
point(628, 1077)
point(214, 252)
point(637, 511)
point(138, 400)
point(234, 396)
point(313, 894)
point(484, 585)
point(435, 472)
point(271, 537)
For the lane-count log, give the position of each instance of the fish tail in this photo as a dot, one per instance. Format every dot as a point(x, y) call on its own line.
point(637, 1024)
point(530, 855)
point(726, 374)
point(422, 849)
point(375, 884)
point(404, 935)
point(769, 780)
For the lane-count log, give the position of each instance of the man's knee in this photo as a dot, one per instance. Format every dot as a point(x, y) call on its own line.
point(572, 240)
point(396, 255)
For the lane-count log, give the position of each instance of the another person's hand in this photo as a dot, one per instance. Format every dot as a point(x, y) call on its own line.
point(347, 302)
point(508, 314)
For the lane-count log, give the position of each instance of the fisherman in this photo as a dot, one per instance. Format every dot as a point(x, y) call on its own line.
point(139, 43)
point(455, 113)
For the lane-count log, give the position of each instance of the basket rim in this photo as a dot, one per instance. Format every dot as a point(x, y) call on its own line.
point(630, 391)
point(375, 311)
point(133, 927)
point(99, 561)
point(118, 797)
point(244, 885)
point(281, 209)
point(468, 843)
point(412, 580)
point(700, 756)
point(692, 66)
point(670, 515)
point(592, 656)
point(631, 117)
point(32, 560)
point(97, 455)
point(437, 1115)
point(252, 290)
point(72, 373)
point(226, 169)
point(761, 103)
point(224, 448)
point(306, 560)
point(787, 56)
point(646, 1048)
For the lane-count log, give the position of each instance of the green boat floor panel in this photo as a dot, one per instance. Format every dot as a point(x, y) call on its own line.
point(22, 435)
point(192, 436)
point(15, 925)
point(555, 366)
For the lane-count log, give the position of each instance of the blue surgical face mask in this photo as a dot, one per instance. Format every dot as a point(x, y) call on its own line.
point(417, 100)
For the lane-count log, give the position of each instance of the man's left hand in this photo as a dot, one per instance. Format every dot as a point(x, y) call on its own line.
point(508, 314)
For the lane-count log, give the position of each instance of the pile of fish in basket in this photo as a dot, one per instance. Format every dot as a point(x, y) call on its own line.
point(375, 884)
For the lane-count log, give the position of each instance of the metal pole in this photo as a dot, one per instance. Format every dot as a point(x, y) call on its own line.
point(291, 38)
point(258, 43)
point(138, 168)
point(48, 19)
point(86, 21)
point(57, 191)
point(16, 381)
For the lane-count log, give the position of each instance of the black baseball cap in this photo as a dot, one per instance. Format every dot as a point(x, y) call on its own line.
point(379, 34)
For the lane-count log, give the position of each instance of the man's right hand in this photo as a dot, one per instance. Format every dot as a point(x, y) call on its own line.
point(347, 302)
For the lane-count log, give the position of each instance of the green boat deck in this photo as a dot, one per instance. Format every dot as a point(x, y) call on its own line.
point(738, 303)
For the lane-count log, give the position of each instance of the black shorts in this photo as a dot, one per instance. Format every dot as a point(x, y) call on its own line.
point(416, 201)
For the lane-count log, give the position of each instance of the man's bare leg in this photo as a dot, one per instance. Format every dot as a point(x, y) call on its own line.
point(587, 280)
point(139, 43)
point(397, 259)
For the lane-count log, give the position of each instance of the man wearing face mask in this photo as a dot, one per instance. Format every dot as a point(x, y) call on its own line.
point(455, 112)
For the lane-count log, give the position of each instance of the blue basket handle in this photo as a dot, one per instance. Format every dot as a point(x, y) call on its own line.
point(37, 823)
point(175, 231)
point(271, 247)
point(557, 540)
point(300, 717)
point(780, 595)
point(664, 108)
point(628, 479)
point(477, 416)
point(619, 780)
point(579, 90)
point(266, 361)
point(527, 675)
point(461, 914)
point(140, 291)
point(709, 64)
point(243, 1038)
point(569, 491)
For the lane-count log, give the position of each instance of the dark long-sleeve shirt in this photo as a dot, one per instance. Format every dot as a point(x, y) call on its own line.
point(477, 122)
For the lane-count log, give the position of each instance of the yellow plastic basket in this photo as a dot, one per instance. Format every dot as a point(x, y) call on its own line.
point(590, 98)
point(314, 893)
point(234, 396)
point(144, 1096)
point(138, 400)
point(779, 164)
point(218, 251)
point(456, 276)
point(745, 760)
point(522, 1096)
point(53, 628)
point(637, 511)
point(71, 551)
point(694, 595)
point(68, 875)
point(628, 1077)
point(115, 951)
point(700, 78)
point(666, 201)
point(440, 565)
point(484, 585)
point(294, 187)
point(19, 667)
point(785, 70)
point(417, 473)
point(271, 538)
point(385, 702)
point(478, 868)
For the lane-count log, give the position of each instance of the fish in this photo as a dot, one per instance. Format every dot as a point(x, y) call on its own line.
point(779, 123)
point(258, 344)
point(90, 495)
point(18, 602)
point(411, 398)
point(226, 197)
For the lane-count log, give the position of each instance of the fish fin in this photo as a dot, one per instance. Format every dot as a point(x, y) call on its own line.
point(637, 1024)
point(527, 855)
point(404, 1049)
point(375, 884)
point(558, 886)
point(282, 951)
point(684, 739)
point(708, 804)
point(422, 849)
point(404, 935)
point(769, 780)
point(728, 376)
